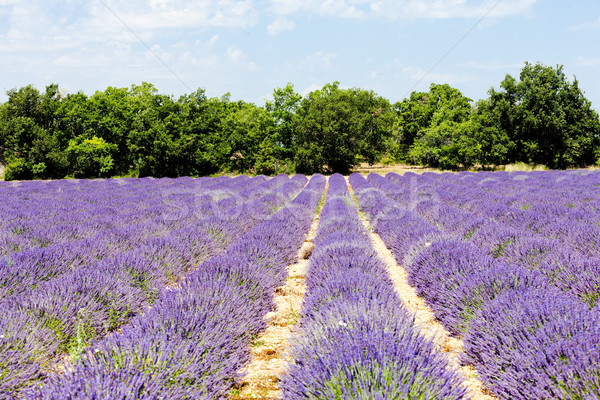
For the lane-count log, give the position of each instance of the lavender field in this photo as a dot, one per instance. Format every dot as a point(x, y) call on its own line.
point(160, 288)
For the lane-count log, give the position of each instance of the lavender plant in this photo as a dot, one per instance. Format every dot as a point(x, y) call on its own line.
point(501, 288)
point(195, 339)
point(356, 340)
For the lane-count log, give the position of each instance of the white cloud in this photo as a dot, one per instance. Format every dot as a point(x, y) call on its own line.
point(208, 63)
point(219, 44)
point(159, 4)
point(391, 70)
point(413, 77)
point(280, 24)
point(586, 26)
point(287, 7)
point(234, 53)
point(157, 52)
point(234, 14)
point(82, 44)
point(441, 9)
point(327, 8)
point(419, 74)
point(311, 88)
point(403, 9)
point(176, 13)
point(588, 61)
point(95, 37)
point(319, 60)
point(491, 66)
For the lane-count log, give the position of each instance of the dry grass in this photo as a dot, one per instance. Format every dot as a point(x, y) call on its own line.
point(381, 169)
point(523, 167)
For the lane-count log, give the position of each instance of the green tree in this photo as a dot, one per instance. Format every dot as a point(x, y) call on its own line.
point(451, 140)
point(201, 118)
point(283, 109)
point(335, 127)
point(154, 138)
point(202, 141)
point(496, 146)
point(27, 139)
point(249, 133)
point(547, 117)
point(449, 145)
point(415, 114)
point(111, 115)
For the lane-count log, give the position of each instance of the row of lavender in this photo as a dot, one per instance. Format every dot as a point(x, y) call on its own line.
point(39, 214)
point(548, 262)
point(25, 270)
point(563, 206)
point(356, 338)
point(195, 339)
point(558, 241)
point(49, 313)
point(557, 192)
point(527, 338)
point(59, 306)
point(563, 245)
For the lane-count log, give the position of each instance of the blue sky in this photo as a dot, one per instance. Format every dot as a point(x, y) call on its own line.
point(250, 47)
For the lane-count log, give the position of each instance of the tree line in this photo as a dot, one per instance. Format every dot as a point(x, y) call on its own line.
point(541, 118)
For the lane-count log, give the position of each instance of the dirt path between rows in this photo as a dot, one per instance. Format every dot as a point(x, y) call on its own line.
point(270, 351)
point(425, 319)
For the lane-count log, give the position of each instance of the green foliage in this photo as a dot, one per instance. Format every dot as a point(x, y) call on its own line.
point(496, 145)
point(541, 118)
point(17, 169)
point(249, 140)
point(91, 157)
point(335, 127)
point(26, 133)
point(199, 140)
point(416, 114)
point(451, 140)
point(449, 145)
point(282, 109)
point(547, 117)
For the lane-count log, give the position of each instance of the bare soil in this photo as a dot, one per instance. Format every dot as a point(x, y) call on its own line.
point(270, 350)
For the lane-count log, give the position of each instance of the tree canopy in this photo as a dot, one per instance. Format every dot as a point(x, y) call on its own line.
point(541, 117)
point(335, 127)
point(547, 118)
